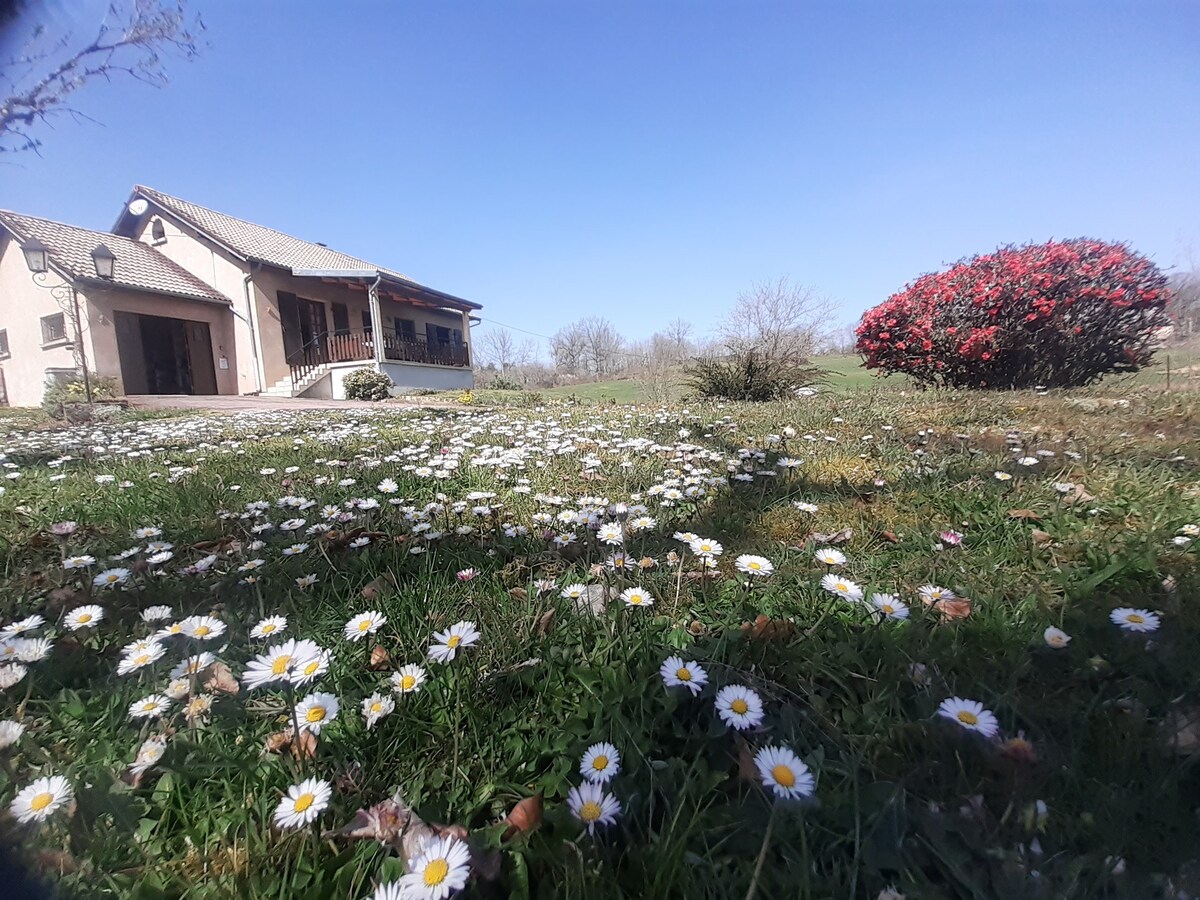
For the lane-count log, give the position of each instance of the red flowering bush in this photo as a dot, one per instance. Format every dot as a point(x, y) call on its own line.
point(1059, 314)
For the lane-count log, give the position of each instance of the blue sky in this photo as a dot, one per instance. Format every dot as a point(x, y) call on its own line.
point(648, 160)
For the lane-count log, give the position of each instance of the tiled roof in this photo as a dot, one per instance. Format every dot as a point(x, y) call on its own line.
point(137, 265)
point(257, 242)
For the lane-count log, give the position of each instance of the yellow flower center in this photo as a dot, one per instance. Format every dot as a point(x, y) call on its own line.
point(635, 599)
point(312, 667)
point(784, 776)
point(408, 682)
point(85, 617)
point(141, 659)
point(316, 714)
point(41, 801)
point(364, 624)
point(150, 707)
point(684, 674)
point(600, 763)
point(590, 811)
point(753, 565)
point(967, 717)
point(268, 628)
point(888, 609)
point(203, 631)
point(1135, 619)
point(841, 586)
point(280, 666)
point(303, 802)
point(454, 641)
point(376, 707)
point(740, 706)
point(436, 872)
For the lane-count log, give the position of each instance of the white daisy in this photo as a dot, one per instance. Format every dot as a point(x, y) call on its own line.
point(827, 556)
point(151, 652)
point(269, 627)
point(843, 587)
point(149, 707)
point(758, 566)
point(447, 643)
point(83, 617)
point(376, 707)
point(600, 762)
point(111, 578)
point(783, 772)
point(970, 714)
point(889, 607)
point(193, 665)
point(1134, 619)
point(408, 679)
point(636, 596)
point(42, 799)
point(676, 672)
point(316, 711)
point(303, 803)
point(439, 868)
point(202, 628)
point(592, 805)
point(1056, 638)
point(739, 707)
point(10, 733)
point(363, 624)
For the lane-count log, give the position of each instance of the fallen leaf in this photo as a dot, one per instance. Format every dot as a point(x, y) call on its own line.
point(747, 768)
point(518, 593)
point(524, 818)
point(889, 536)
point(306, 747)
point(1027, 514)
point(696, 628)
point(376, 588)
point(220, 679)
point(647, 562)
point(1076, 495)
point(949, 610)
point(1041, 537)
point(380, 658)
point(545, 620)
point(278, 742)
point(767, 629)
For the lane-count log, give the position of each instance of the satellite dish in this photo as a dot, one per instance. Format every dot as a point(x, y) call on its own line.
point(139, 206)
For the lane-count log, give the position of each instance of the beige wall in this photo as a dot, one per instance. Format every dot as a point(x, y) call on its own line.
point(103, 303)
point(22, 305)
point(223, 271)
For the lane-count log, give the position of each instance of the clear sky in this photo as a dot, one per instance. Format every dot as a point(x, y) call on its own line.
point(648, 160)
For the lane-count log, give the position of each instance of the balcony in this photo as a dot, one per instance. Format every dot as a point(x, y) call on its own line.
point(351, 346)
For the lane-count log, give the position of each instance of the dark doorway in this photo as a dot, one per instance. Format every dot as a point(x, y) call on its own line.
point(341, 318)
point(304, 328)
point(164, 356)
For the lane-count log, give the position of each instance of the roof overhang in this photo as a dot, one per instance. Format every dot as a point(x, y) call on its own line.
point(397, 288)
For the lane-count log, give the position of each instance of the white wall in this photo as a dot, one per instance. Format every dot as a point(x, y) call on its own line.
point(438, 378)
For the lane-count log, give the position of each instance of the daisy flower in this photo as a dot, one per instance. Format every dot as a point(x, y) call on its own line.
point(1134, 619)
point(782, 771)
point(889, 607)
point(754, 565)
point(316, 711)
point(931, 593)
point(111, 578)
point(1056, 638)
point(41, 799)
point(156, 613)
point(202, 628)
point(152, 652)
point(447, 643)
point(11, 675)
point(198, 708)
point(600, 762)
point(303, 803)
point(269, 627)
point(83, 617)
point(408, 680)
point(739, 707)
point(439, 868)
point(193, 665)
point(827, 556)
point(843, 587)
point(1002, 476)
point(636, 596)
point(592, 805)
point(392, 890)
point(10, 733)
point(13, 629)
point(363, 624)
point(149, 754)
point(970, 714)
point(805, 506)
point(676, 672)
point(376, 707)
point(610, 534)
point(78, 562)
point(705, 547)
point(149, 707)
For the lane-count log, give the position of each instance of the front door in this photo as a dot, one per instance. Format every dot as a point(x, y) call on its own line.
point(200, 358)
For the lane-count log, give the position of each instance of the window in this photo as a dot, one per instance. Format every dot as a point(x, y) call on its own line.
point(158, 232)
point(4, 343)
point(341, 319)
point(54, 328)
point(406, 330)
point(366, 320)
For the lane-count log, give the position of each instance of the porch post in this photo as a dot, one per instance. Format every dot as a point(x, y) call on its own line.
point(376, 321)
point(466, 331)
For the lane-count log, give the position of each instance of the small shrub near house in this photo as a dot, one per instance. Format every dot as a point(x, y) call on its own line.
point(1059, 314)
point(61, 396)
point(367, 384)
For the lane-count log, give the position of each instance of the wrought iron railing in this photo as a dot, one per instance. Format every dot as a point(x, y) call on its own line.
point(350, 346)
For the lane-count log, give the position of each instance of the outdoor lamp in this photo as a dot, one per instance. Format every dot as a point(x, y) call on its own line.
point(36, 256)
point(104, 261)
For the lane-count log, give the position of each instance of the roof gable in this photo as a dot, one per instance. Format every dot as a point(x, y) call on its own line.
point(138, 266)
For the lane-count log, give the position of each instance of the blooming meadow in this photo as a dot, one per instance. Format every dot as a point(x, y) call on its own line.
point(868, 646)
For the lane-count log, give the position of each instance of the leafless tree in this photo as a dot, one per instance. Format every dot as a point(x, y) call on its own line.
point(568, 348)
point(1184, 305)
point(602, 345)
point(500, 348)
point(39, 84)
point(778, 320)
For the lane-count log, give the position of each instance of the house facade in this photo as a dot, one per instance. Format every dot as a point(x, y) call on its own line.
point(202, 302)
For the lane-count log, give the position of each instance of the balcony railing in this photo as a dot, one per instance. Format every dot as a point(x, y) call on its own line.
point(349, 346)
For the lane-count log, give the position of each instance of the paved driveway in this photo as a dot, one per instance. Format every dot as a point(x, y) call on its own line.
point(230, 403)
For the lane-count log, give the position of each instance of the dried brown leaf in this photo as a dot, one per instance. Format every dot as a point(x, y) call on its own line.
point(380, 658)
point(221, 680)
point(764, 628)
point(1041, 538)
point(524, 818)
point(1026, 514)
point(835, 537)
point(889, 536)
point(518, 593)
point(544, 622)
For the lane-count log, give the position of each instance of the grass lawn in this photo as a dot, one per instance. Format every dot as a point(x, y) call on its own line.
point(983, 686)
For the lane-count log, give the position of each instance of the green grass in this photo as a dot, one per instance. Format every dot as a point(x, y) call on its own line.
point(902, 797)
